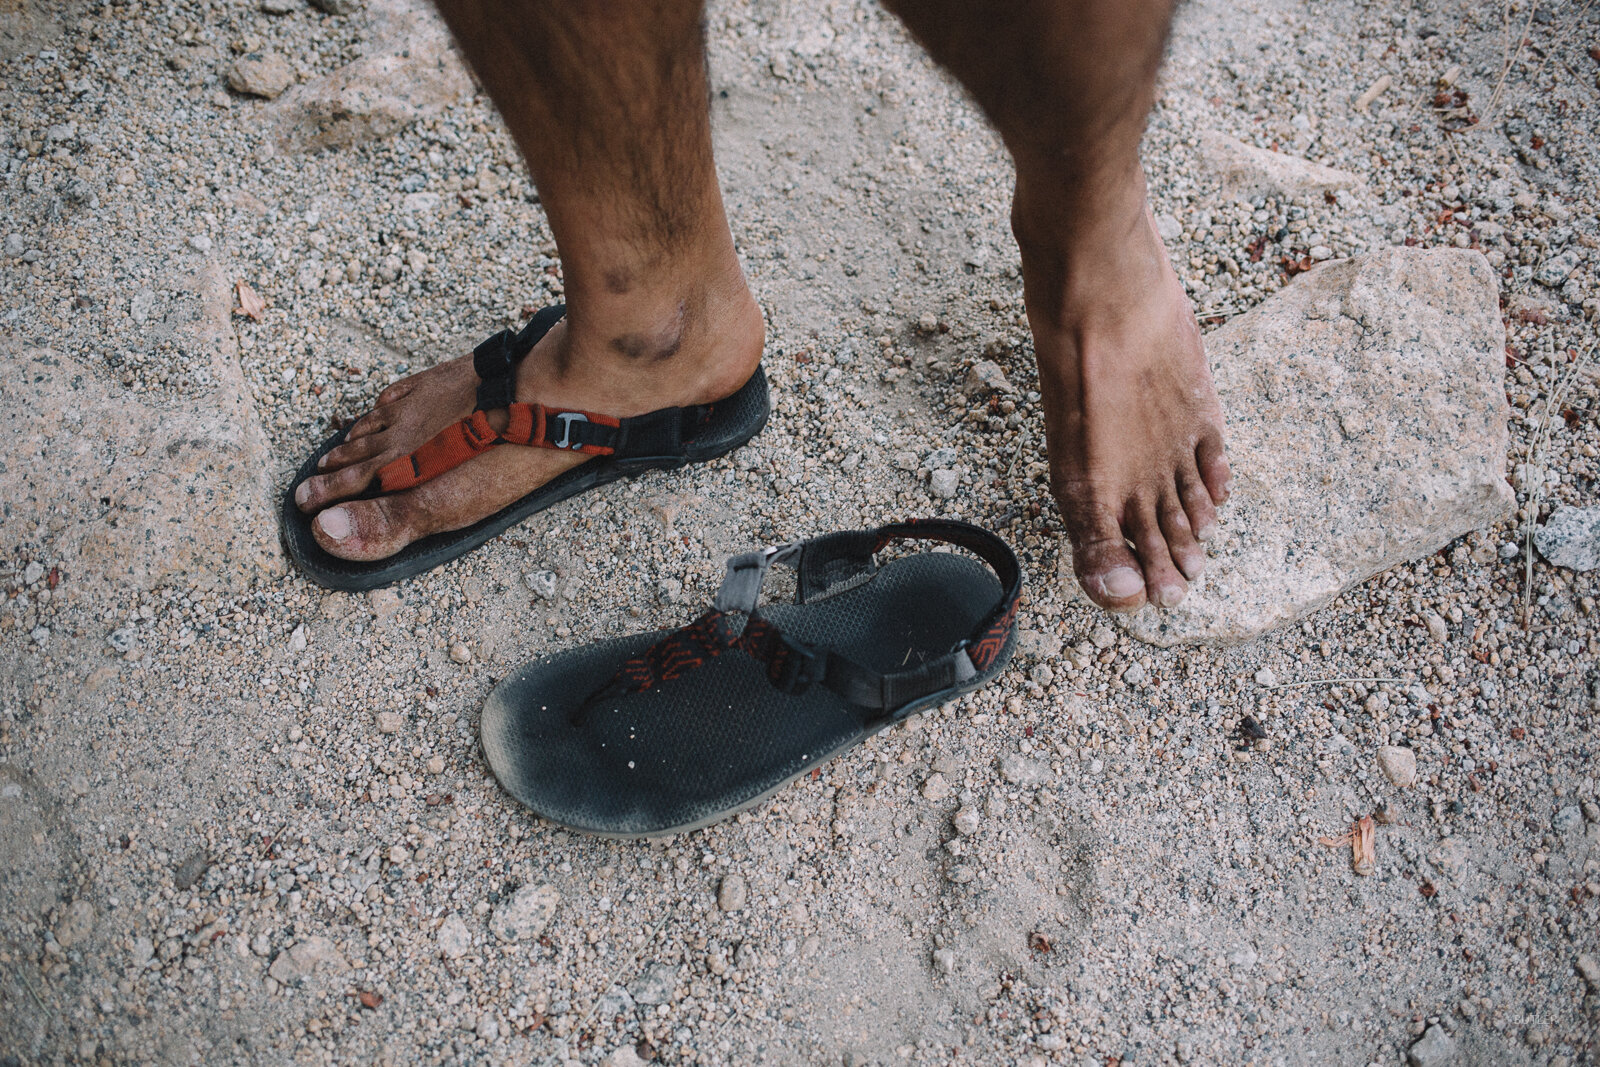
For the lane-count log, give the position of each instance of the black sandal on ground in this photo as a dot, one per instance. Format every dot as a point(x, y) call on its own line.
point(621, 447)
point(665, 732)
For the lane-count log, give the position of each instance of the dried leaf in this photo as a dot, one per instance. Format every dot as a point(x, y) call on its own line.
point(250, 302)
point(1038, 942)
point(1362, 839)
point(370, 1000)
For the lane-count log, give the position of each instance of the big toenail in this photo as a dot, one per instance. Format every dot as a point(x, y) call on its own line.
point(302, 493)
point(1122, 582)
point(335, 522)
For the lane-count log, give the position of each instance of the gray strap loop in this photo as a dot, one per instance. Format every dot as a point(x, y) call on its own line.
point(741, 586)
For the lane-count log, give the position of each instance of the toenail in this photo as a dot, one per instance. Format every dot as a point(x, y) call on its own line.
point(335, 522)
point(1206, 532)
point(322, 464)
point(1122, 582)
point(302, 493)
point(1168, 596)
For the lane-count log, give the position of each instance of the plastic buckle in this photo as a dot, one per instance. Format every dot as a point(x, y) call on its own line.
point(740, 588)
point(800, 670)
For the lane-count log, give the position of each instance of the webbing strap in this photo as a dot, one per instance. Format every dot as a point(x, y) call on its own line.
point(823, 564)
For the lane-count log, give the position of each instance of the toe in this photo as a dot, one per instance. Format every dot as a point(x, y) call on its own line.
point(398, 391)
point(363, 529)
point(1197, 504)
point(1161, 577)
point(1108, 572)
point(351, 452)
point(1181, 541)
point(1214, 470)
point(316, 493)
point(372, 422)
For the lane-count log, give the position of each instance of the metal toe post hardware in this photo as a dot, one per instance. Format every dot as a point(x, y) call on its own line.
point(741, 587)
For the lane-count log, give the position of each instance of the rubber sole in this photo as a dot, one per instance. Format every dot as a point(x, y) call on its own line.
point(719, 740)
point(733, 422)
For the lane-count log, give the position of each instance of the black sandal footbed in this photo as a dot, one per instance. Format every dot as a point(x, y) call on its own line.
point(727, 425)
point(575, 746)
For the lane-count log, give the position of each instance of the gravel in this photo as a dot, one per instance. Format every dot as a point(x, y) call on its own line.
point(1170, 865)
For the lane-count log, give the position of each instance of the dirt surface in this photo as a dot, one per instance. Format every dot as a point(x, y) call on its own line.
point(246, 820)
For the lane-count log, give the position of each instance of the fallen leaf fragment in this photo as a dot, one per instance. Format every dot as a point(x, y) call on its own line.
point(250, 302)
point(1361, 837)
point(1038, 942)
point(371, 1000)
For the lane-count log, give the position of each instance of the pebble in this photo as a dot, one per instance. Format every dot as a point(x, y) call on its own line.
point(1570, 538)
point(297, 639)
point(623, 1056)
point(542, 583)
point(389, 722)
point(935, 787)
point(32, 572)
point(1436, 1049)
point(961, 874)
point(1438, 629)
point(524, 915)
point(1020, 770)
point(264, 74)
point(1135, 674)
point(984, 379)
point(460, 653)
point(1399, 765)
point(191, 870)
point(75, 924)
point(966, 821)
point(732, 893)
point(944, 483)
point(15, 245)
point(944, 961)
point(453, 937)
point(1266, 677)
point(654, 984)
point(280, 7)
point(200, 243)
point(1589, 970)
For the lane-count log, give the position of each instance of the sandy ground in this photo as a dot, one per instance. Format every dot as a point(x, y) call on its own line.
point(246, 820)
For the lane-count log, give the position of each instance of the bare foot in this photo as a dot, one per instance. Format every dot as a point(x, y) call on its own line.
point(653, 351)
point(1131, 417)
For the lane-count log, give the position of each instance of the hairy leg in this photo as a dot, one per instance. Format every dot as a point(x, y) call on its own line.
point(608, 101)
point(1133, 425)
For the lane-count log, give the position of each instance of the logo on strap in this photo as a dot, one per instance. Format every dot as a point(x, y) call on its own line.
point(567, 419)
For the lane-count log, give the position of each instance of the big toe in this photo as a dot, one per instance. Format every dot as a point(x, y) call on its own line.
point(1107, 570)
point(361, 530)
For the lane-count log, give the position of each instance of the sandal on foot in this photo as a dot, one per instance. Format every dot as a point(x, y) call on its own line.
point(670, 731)
point(626, 447)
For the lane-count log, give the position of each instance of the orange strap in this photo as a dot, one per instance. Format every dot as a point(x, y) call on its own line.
point(531, 424)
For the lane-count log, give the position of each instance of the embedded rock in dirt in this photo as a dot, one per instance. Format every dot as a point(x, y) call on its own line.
point(526, 913)
point(260, 74)
point(1366, 424)
point(1571, 538)
point(122, 488)
point(1247, 171)
point(410, 71)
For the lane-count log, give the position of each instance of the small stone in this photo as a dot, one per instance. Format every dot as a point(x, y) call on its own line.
point(1436, 1049)
point(543, 584)
point(200, 243)
point(144, 951)
point(961, 874)
point(966, 821)
point(435, 765)
point(944, 961)
point(1103, 637)
point(1042, 675)
point(15, 245)
point(524, 915)
point(297, 640)
point(123, 638)
point(928, 323)
point(1399, 765)
point(1571, 538)
point(1135, 674)
point(261, 945)
point(75, 924)
point(302, 959)
point(1320, 253)
point(1168, 227)
point(398, 854)
point(389, 722)
point(32, 572)
point(264, 74)
point(654, 984)
point(984, 379)
point(191, 870)
point(623, 1056)
point(460, 653)
point(1247, 171)
point(280, 7)
point(1038, 644)
point(383, 603)
point(670, 590)
point(935, 787)
point(1589, 971)
point(944, 483)
point(944, 456)
point(455, 940)
point(1553, 272)
point(1019, 770)
point(79, 784)
point(1266, 677)
point(337, 7)
point(732, 893)
point(905, 460)
point(1438, 629)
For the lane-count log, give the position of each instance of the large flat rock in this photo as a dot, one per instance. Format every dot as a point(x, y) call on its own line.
point(1366, 427)
point(118, 489)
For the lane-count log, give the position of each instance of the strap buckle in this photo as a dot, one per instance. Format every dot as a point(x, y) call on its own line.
point(802, 666)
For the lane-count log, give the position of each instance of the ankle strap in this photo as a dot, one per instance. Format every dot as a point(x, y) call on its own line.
point(495, 359)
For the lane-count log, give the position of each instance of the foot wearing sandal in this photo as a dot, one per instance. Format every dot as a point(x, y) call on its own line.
point(622, 355)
